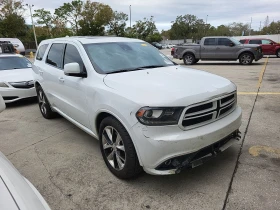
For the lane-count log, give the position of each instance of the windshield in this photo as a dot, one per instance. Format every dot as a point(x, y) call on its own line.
point(10, 63)
point(235, 41)
point(118, 56)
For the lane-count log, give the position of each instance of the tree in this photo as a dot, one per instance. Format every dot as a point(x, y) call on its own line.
point(118, 23)
point(71, 12)
point(238, 29)
point(45, 18)
point(272, 28)
point(144, 29)
point(185, 26)
point(95, 16)
point(9, 7)
point(13, 26)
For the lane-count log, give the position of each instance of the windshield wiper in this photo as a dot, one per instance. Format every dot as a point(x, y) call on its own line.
point(135, 69)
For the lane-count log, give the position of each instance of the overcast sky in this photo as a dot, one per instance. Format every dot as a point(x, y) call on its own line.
point(164, 11)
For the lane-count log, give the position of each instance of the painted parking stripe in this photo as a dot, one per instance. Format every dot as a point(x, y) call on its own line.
point(262, 72)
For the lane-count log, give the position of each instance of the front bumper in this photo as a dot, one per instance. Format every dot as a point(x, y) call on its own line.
point(258, 56)
point(14, 94)
point(156, 145)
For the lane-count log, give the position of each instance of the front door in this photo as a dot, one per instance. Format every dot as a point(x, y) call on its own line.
point(74, 101)
point(267, 47)
point(224, 51)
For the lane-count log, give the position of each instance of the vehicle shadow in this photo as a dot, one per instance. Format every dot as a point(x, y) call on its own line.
point(23, 102)
point(228, 64)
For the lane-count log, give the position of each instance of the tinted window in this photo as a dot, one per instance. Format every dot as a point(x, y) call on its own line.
point(265, 41)
point(255, 42)
point(242, 41)
point(55, 55)
point(210, 41)
point(13, 62)
point(41, 52)
point(224, 41)
point(73, 56)
point(116, 56)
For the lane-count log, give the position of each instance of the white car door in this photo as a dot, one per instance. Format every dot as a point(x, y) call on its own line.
point(73, 89)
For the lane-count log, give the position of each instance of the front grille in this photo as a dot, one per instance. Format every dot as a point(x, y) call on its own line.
point(23, 85)
point(207, 112)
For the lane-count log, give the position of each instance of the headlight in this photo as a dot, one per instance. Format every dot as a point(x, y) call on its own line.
point(159, 116)
point(2, 84)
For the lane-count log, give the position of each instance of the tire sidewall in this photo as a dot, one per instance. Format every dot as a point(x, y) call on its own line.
point(240, 59)
point(50, 114)
point(128, 145)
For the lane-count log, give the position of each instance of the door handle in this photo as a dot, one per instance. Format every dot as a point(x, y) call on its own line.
point(61, 79)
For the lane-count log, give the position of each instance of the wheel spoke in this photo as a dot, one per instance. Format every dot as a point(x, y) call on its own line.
point(109, 133)
point(121, 147)
point(107, 146)
point(119, 161)
point(118, 139)
point(110, 158)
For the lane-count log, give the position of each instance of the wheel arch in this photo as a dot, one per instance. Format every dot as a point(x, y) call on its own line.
point(246, 51)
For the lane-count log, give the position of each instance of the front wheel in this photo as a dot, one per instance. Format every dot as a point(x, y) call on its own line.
point(246, 59)
point(189, 59)
point(118, 150)
point(278, 53)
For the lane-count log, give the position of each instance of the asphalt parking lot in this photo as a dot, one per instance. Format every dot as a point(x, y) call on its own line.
point(66, 166)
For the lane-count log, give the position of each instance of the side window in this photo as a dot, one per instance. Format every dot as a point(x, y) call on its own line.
point(265, 41)
point(210, 41)
point(73, 56)
point(242, 41)
point(224, 41)
point(255, 41)
point(55, 56)
point(41, 51)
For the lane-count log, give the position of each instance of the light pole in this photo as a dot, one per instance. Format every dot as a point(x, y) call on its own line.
point(130, 14)
point(30, 6)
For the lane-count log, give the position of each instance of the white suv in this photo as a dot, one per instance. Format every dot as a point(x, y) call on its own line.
point(148, 112)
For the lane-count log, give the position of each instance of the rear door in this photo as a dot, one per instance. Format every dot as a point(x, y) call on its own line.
point(224, 51)
point(208, 49)
point(52, 74)
point(267, 47)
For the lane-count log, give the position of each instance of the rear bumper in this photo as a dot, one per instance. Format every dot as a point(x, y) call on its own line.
point(14, 94)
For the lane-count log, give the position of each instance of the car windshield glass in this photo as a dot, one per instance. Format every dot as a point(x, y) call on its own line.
point(235, 41)
point(121, 56)
point(10, 63)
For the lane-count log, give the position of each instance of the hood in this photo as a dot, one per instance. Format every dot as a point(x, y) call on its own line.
point(168, 86)
point(16, 75)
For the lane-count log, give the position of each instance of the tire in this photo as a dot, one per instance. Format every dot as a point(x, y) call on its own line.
point(189, 59)
point(44, 104)
point(119, 155)
point(278, 53)
point(246, 59)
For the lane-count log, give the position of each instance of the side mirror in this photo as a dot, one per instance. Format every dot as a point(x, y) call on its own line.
point(231, 44)
point(271, 43)
point(2, 104)
point(74, 70)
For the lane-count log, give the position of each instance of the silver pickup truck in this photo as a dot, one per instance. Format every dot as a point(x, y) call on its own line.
point(218, 48)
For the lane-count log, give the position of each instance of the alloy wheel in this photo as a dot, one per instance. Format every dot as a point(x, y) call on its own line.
point(246, 59)
point(189, 59)
point(42, 102)
point(113, 148)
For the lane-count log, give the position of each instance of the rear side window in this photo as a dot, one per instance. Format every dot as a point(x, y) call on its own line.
point(255, 42)
point(210, 41)
point(72, 55)
point(242, 41)
point(265, 41)
point(55, 56)
point(224, 41)
point(41, 51)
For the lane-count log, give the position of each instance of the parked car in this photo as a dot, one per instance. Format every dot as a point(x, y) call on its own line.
point(17, 44)
point(147, 112)
point(157, 45)
point(16, 79)
point(269, 47)
point(218, 48)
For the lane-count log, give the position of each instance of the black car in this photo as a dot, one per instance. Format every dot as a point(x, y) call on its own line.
point(157, 45)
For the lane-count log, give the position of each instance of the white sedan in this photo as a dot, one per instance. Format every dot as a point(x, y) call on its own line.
point(16, 79)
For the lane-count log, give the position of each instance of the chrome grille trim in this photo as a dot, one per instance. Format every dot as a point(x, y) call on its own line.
point(219, 105)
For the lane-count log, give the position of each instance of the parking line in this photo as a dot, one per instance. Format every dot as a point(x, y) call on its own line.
point(262, 72)
point(256, 93)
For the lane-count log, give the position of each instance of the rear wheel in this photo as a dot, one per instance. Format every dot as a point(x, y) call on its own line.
point(189, 59)
point(246, 58)
point(278, 53)
point(118, 150)
point(44, 105)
